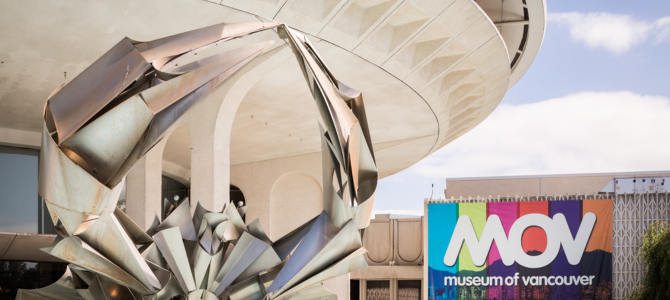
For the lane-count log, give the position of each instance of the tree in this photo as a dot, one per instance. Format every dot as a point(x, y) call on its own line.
point(655, 255)
point(15, 275)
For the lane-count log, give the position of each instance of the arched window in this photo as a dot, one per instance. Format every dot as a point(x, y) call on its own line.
point(236, 196)
point(172, 193)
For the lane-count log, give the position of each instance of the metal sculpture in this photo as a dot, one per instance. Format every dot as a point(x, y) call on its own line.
point(100, 124)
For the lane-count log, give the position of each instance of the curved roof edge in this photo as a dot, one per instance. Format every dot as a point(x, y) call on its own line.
point(537, 11)
point(521, 23)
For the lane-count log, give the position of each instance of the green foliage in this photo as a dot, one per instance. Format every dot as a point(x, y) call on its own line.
point(655, 255)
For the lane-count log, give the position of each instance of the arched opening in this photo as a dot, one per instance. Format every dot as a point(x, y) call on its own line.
point(295, 199)
point(172, 192)
point(176, 170)
point(236, 196)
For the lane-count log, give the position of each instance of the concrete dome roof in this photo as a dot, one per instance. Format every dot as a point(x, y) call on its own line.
point(429, 70)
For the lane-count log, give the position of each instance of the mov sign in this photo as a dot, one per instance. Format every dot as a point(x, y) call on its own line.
point(520, 250)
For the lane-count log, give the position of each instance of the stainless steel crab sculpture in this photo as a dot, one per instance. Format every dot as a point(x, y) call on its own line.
point(102, 122)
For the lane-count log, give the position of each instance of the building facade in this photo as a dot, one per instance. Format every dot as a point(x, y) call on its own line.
point(397, 245)
point(433, 70)
point(638, 200)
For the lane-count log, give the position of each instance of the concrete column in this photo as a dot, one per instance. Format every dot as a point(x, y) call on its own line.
point(209, 166)
point(210, 125)
point(143, 187)
point(339, 286)
point(364, 289)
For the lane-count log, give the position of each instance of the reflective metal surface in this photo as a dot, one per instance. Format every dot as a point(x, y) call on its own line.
point(251, 289)
point(180, 218)
point(63, 289)
point(101, 123)
point(110, 240)
point(171, 245)
point(76, 252)
point(316, 291)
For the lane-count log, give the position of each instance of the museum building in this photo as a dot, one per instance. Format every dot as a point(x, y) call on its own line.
point(398, 245)
point(430, 72)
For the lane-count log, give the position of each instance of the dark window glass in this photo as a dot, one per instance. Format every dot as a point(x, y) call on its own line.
point(173, 192)
point(409, 289)
point(354, 290)
point(16, 275)
point(236, 196)
point(19, 200)
point(378, 290)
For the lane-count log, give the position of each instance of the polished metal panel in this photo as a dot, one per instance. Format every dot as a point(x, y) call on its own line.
point(220, 230)
point(74, 251)
point(171, 289)
point(168, 116)
point(163, 95)
point(346, 241)
point(114, 291)
point(201, 262)
point(242, 210)
point(153, 255)
point(234, 225)
point(162, 274)
point(110, 240)
point(184, 42)
point(257, 231)
point(201, 295)
point(214, 266)
point(133, 230)
point(63, 289)
point(206, 239)
point(348, 264)
point(180, 218)
point(251, 289)
point(105, 143)
point(70, 189)
point(198, 216)
point(94, 88)
point(318, 236)
point(246, 251)
point(286, 244)
point(267, 260)
point(101, 123)
point(316, 291)
point(171, 245)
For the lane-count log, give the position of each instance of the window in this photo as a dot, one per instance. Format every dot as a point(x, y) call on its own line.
point(378, 290)
point(22, 208)
point(354, 290)
point(16, 275)
point(409, 289)
point(172, 192)
point(236, 196)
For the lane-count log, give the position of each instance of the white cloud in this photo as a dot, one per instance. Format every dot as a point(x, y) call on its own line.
point(663, 27)
point(580, 133)
point(615, 33)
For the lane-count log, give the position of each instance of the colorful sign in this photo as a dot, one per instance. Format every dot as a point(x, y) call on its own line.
point(520, 250)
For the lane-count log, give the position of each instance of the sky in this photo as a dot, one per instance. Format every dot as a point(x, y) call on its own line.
point(595, 100)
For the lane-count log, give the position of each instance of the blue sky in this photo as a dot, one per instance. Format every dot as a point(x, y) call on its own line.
point(596, 99)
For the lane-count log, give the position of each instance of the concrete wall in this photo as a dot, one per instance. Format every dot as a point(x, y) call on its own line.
point(531, 186)
point(394, 242)
point(280, 192)
point(283, 194)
